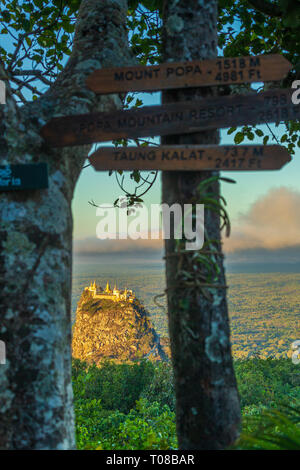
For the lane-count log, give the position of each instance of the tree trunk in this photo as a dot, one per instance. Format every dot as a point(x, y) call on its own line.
point(36, 410)
point(207, 410)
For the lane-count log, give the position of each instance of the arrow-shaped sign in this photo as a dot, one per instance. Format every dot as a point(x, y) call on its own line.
point(177, 118)
point(191, 158)
point(220, 71)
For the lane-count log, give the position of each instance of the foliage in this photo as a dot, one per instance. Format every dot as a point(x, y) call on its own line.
point(118, 386)
point(89, 421)
point(161, 386)
point(267, 382)
point(40, 37)
point(116, 406)
point(250, 28)
point(144, 23)
point(121, 406)
point(273, 429)
point(147, 426)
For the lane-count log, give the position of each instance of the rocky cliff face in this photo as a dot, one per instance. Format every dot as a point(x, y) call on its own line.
point(120, 331)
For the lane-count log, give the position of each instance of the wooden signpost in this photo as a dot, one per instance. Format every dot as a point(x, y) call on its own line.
point(178, 118)
point(189, 117)
point(23, 176)
point(181, 158)
point(218, 71)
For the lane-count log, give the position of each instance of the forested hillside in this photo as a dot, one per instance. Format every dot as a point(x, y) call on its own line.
point(121, 406)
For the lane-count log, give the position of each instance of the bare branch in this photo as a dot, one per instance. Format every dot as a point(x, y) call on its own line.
point(20, 95)
point(37, 73)
point(16, 51)
point(21, 84)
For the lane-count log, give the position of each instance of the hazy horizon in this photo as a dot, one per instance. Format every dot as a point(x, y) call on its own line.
point(263, 306)
point(256, 261)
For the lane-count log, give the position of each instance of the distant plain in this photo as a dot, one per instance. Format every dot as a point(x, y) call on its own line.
point(264, 308)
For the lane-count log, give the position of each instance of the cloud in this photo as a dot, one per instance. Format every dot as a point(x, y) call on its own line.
point(90, 246)
point(271, 223)
point(268, 232)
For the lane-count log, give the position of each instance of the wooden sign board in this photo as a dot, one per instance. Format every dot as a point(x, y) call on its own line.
point(220, 71)
point(23, 176)
point(178, 118)
point(191, 158)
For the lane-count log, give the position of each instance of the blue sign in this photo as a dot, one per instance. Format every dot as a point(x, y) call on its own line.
point(23, 176)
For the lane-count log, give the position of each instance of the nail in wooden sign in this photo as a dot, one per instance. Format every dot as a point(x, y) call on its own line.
point(218, 71)
point(23, 176)
point(191, 158)
point(176, 118)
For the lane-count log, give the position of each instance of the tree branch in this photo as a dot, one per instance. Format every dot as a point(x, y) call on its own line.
point(100, 40)
point(22, 84)
point(37, 73)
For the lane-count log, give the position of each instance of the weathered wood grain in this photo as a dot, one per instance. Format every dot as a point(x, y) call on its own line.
point(192, 157)
point(223, 70)
point(168, 119)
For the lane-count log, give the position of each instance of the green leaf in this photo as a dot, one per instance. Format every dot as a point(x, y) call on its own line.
point(68, 27)
point(266, 139)
point(239, 137)
point(231, 130)
point(26, 25)
point(6, 16)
